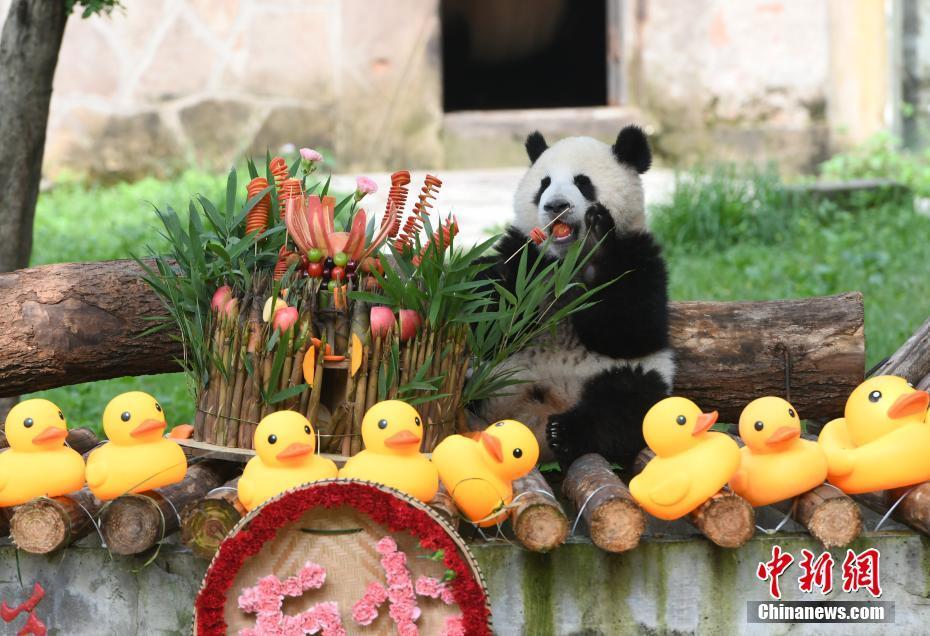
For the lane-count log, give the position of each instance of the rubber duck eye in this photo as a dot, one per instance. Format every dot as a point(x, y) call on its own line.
point(61, 415)
point(498, 424)
point(28, 422)
point(682, 420)
point(518, 453)
point(272, 439)
point(790, 412)
point(416, 421)
point(158, 407)
point(125, 416)
point(758, 426)
point(875, 396)
point(307, 430)
point(382, 424)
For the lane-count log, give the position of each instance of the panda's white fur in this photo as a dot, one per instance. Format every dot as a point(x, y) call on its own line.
point(619, 186)
point(559, 369)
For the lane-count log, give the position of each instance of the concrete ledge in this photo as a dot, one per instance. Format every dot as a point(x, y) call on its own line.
point(670, 586)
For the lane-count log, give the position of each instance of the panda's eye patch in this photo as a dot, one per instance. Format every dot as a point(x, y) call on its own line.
point(875, 396)
point(758, 426)
point(125, 416)
point(681, 419)
point(272, 439)
point(518, 453)
point(542, 188)
point(382, 424)
point(584, 185)
point(790, 412)
point(28, 422)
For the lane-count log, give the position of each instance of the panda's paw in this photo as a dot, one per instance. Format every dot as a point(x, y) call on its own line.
point(599, 222)
point(562, 438)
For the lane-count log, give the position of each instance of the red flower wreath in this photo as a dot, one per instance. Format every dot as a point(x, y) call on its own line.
point(392, 512)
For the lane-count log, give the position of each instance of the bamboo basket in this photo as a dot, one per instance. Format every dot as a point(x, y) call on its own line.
point(331, 351)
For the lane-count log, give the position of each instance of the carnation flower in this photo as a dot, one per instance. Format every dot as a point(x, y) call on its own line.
point(309, 154)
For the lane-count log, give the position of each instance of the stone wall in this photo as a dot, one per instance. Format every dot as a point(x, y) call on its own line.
point(162, 83)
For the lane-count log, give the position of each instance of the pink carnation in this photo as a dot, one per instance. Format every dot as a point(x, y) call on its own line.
point(366, 185)
point(309, 154)
point(454, 626)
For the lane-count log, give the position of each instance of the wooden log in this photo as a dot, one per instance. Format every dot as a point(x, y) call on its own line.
point(206, 522)
point(70, 323)
point(538, 520)
point(828, 514)
point(913, 511)
point(445, 506)
point(45, 525)
point(77, 322)
point(134, 523)
point(725, 518)
point(912, 360)
point(615, 521)
point(730, 353)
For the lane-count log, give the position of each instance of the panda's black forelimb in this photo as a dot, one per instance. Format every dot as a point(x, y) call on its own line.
point(630, 317)
point(608, 419)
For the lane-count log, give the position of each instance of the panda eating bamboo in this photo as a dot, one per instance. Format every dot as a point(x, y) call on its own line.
point(589, 385)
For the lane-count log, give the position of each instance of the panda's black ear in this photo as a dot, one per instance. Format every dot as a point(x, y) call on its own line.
point(535, 146)
point(632, 148)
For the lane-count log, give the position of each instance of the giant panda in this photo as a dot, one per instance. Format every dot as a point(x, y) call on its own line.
point(587, 387)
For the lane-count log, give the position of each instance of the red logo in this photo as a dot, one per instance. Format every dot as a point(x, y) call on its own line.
point(860, 571)
point(771, 570)
point(817, 573)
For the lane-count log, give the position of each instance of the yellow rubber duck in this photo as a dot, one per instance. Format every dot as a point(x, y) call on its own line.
point(137, 457)
point(478, 472)
point(284, 446)
point(691, 463)
point(392, 433)
point(883, 440)
point(775, 464)
point(37, 463)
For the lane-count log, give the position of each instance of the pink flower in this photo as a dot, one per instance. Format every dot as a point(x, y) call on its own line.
point(309, 154)
point(312, 576)
point(453, 626)
point(364, 185)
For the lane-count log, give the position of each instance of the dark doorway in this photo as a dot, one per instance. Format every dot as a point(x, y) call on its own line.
point(500, 54)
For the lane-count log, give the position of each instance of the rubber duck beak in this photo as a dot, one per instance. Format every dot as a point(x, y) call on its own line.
point(704, 422)
point(147, 426)
point(402, 440)
point(51, 434)
point(295, 450)
point(493, 445)
point(909, 404)
point(783, 434)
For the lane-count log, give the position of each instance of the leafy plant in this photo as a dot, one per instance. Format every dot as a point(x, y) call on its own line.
point(883, 157)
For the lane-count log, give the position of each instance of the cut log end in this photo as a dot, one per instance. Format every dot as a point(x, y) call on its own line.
point(726, 519)
point(540, 527)
point(616, 525)
point(205, 523)
point(445, 506)
point(836, 522)
point(131, 524)
point(40, 526)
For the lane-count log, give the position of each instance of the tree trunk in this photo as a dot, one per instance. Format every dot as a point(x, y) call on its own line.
point(445, 506)
point(912, 360)
point(78, 322)
point(615, 521)
point(539, 522)
point(913, 511)
point(29, 48)
point(134, 523)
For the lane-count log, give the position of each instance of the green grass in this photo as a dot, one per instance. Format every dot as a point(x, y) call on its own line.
point(76, 222)
point(742, 237)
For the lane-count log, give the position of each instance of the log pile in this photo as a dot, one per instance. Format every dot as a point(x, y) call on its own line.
point(829, 514)
point(46, 525)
